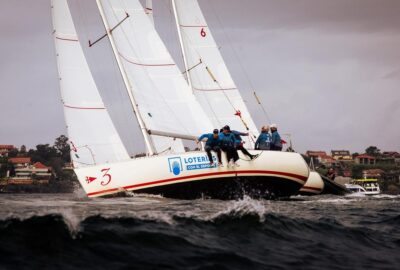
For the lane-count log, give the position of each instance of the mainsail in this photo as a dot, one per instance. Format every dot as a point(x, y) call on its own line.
point(92, 135)
point(206, 70)
point(162, 96)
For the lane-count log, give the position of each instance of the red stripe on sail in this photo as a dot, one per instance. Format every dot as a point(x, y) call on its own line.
point(146, 65)
point(84, 108)
point(214, 89)
point(182, 25)
point(67, 39)
point(298, 177)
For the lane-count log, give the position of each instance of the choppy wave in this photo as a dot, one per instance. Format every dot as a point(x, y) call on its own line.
point(243, 236)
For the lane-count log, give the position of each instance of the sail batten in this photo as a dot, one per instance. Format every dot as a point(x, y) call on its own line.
point(91, 133)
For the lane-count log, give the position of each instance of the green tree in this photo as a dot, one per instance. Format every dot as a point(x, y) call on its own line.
point(373, 151)
point(43, 153)
point(13, 152)
point(22, 150)
point(63, 149)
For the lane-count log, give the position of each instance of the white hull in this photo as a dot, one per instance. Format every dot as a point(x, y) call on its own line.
point(314, 185)
point(284, 172)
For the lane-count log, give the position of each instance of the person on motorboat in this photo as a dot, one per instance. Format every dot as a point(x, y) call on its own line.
point(264, 139)
point(331, 174)
point(213, 143)
point(228, 145)
point(239, 143)
point(276, 143)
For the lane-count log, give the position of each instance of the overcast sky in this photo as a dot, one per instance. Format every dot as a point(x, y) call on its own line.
point(327, 71)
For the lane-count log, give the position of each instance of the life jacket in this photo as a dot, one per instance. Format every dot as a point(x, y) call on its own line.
point(227, 140)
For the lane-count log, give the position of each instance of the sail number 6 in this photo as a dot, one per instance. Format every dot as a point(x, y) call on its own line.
point(202, 32)
point(106, 175)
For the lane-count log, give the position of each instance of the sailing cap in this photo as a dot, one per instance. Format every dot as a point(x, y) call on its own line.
point(215, 131)
point(273, 126)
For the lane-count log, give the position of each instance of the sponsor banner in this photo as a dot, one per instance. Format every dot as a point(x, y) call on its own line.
point(178, 164)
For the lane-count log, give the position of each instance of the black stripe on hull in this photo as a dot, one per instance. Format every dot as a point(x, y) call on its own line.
point(228, 188)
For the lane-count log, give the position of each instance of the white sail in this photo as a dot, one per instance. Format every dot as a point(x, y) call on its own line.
point(207, 73)
point(92, 135)
point(163, 98)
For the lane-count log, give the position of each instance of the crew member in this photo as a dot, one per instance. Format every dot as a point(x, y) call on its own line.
point(276, 143)
point(239, 143)
point(264, 139)
point(213, 144)
point(228, 145)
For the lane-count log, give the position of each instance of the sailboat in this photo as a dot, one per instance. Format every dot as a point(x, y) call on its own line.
point(167, 110)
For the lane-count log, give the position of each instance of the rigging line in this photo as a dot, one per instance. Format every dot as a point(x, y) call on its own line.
point(198, 79)
point(262, 107)
point(230, 45)
point(219, 85)
point(213, 78)
point(189, 69)
point(151, 81)
point(234, 51)
point(216, 81)
point(237, 112)
point(83, 20)
point(112, 29)
point(134, 51)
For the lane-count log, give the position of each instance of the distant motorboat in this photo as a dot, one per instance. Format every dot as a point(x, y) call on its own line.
point(370, 185)
point(356, 189)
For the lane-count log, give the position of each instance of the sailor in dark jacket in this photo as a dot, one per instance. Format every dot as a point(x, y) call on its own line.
point(276, 143)
point(228, 145)
point(264, 139)
point(239, 143)
point(213, 143)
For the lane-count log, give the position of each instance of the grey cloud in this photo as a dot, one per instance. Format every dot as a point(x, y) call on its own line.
point(327, 71)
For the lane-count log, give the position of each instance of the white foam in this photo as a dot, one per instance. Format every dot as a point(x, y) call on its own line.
point(243, 207)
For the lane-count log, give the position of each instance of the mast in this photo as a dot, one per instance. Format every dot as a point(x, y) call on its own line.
point(147, 139)
point(149, 10)
point(181, 44)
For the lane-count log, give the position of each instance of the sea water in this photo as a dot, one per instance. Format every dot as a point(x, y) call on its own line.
point(70, 231)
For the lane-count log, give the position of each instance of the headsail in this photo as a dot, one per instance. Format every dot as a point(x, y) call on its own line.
point(207, 73)
point(93, 137)
point(164, 101)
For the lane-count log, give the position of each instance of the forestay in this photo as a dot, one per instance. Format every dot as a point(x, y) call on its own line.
point(164, 100)
point(207, 72)
point(92, 135)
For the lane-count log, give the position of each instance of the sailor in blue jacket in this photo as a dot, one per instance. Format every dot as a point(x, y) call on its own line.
point(264, 139)
point(276, 143)
point(228, 145)
point(213, 143)
point(239, 143)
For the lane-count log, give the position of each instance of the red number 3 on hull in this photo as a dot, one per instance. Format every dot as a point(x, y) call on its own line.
point(107, 175)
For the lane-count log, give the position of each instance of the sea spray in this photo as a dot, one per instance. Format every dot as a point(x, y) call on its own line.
point(241, 208)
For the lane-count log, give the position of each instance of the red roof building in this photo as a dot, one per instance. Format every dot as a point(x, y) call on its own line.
point(321, 157)
point(365, 159)
point(5, 149)
point(39, 165)
point(316, 154)
point(391, 154)
point(20, 160)
point(373, 173)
